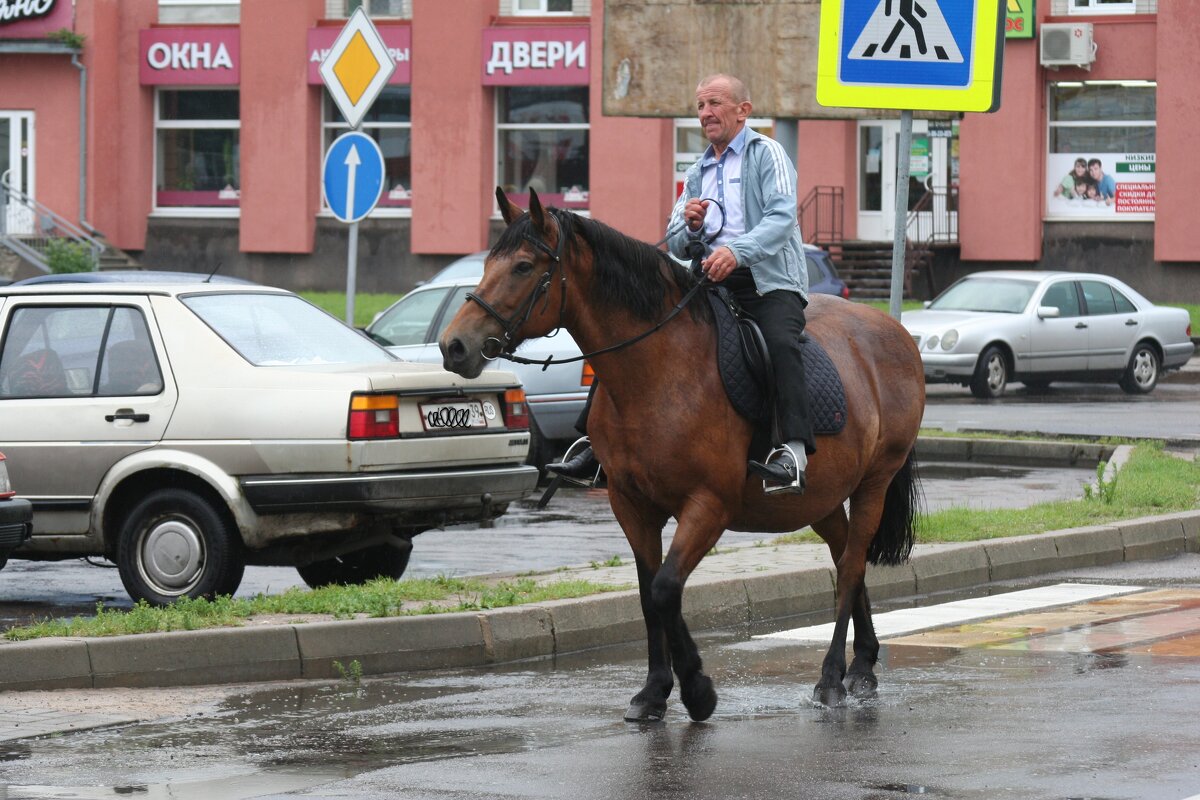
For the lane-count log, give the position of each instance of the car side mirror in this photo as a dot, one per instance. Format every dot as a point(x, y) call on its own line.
point(926, 304)
point(1048, 312)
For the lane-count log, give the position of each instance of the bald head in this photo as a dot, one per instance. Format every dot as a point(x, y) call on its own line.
point(737, 90)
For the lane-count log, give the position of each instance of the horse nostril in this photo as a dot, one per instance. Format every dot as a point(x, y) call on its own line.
point(456, 350)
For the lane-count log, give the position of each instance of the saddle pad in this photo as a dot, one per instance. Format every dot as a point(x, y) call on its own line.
point(744, 376)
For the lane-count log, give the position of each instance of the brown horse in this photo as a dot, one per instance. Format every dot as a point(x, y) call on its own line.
point(673, 446)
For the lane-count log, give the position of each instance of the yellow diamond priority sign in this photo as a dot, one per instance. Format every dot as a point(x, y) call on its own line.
point(357, 68)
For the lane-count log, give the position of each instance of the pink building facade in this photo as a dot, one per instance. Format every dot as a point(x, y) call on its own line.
point(200, 137)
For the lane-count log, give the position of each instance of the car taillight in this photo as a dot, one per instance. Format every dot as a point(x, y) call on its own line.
point(374, 416)
point(516, 410)
point(6, 490)
point(845, 292)
point(588, 376)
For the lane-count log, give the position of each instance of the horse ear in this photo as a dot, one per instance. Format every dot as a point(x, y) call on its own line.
point(507, 210)
point(536, 212)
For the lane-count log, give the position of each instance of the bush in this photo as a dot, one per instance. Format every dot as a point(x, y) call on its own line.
point(65, 256)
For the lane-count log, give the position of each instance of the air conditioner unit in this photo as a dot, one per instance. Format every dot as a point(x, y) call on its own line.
point(1067, 44)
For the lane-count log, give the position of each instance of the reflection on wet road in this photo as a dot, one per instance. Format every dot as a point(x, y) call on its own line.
point(956, 717)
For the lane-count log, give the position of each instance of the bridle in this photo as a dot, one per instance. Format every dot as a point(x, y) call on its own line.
point(510, 325)
point(525, 311)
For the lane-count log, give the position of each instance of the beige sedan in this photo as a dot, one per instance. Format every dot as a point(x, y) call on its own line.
point(186, 429)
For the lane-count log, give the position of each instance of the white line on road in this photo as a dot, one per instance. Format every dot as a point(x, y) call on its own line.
point(911, 620)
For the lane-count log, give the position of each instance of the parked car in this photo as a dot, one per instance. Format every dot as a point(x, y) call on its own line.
point(991, 328)
point(186, 429)
point(410, 328)
point(822, 275)
point(16, 516)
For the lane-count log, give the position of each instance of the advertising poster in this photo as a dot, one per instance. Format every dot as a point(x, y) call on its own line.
point(1100, 185)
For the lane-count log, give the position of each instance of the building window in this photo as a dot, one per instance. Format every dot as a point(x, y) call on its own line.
point(389, 123)
point(690, 143)
point(1101, 159)
point(1102, 6)
point(196, 141)
point(376, 9)
point(540, 8)
point(542, 143)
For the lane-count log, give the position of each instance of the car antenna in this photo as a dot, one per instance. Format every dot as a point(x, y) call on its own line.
point(214, 272)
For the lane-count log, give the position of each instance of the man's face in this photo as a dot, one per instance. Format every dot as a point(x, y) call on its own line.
point(1095, 171)
point(720, 116)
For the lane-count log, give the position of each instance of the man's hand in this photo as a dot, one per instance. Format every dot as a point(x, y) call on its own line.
point(693, 213)
point(719, 264)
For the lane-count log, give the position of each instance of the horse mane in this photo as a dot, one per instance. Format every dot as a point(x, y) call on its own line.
point(627, 274)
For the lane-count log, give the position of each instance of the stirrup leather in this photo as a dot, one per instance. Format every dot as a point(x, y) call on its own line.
point(578, 446)
point(790, 488)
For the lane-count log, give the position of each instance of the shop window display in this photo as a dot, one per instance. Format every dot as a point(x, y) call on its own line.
point(542, 143)
point(197, 159)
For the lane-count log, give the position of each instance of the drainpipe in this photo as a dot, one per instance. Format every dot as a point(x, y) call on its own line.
point(83, 223)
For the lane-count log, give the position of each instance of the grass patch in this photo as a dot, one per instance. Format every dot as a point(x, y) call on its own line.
point(366, 305)
point(1152, 482)
point(378, 598)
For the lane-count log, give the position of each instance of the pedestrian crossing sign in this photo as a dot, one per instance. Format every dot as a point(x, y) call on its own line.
point(919, 55)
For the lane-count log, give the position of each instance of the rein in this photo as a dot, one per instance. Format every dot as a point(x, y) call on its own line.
point(522, 314)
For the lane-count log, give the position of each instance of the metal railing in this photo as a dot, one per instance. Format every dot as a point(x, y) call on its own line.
point(821, 213)
point(934, 218)
point(30, 229)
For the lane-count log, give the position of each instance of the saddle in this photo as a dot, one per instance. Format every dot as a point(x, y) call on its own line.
point(745, 368)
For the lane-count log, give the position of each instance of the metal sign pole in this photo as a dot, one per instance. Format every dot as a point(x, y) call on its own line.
point(900, 231)
point(351, 272)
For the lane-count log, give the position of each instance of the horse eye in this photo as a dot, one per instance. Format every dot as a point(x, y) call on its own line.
point(523, 268)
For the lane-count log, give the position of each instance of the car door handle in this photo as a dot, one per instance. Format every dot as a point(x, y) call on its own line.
point(1131, 322)
point(129, 415)
point(1080, 325)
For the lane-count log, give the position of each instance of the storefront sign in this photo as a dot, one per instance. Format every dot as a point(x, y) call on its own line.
point(1100, 185)
point(550, 56)
point(1018, 19)
point(33, 19)
point(188, 56)
point(398, 39)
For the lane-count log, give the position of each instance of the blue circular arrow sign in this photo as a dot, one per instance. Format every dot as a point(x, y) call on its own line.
point(352, 176)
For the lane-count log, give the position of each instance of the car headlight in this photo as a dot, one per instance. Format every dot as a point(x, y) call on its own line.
point(931, 342)
point(949, 339)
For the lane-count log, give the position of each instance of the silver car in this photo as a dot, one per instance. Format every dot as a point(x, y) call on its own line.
point(410, 328)
point(990, 328)
point(186, 429)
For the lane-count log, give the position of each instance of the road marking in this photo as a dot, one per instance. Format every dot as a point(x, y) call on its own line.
point(910, 620)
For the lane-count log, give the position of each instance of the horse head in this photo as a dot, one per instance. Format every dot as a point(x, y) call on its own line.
point(513, 301)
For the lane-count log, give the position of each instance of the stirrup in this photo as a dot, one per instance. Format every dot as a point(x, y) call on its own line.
point(578, 446)
point(795, 487)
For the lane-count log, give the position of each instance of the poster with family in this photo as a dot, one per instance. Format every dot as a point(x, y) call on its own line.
point(1100, 185)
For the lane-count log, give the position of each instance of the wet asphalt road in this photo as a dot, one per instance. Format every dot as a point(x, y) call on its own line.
point(947, 723)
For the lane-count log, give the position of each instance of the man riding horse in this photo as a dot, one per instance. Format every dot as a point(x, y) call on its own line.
point(754, 248)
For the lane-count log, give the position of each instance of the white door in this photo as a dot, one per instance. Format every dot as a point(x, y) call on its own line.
point(16, 168)
point(930, 167)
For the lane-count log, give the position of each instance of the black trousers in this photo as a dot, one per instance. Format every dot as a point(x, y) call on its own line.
point(780, 316)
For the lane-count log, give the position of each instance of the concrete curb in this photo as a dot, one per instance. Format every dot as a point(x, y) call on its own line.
point(328, 649)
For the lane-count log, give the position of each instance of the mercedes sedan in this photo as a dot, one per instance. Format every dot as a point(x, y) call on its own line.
point(991, 328)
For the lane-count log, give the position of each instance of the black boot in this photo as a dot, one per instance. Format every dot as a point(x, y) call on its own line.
point(582, 466)
point(784, 470)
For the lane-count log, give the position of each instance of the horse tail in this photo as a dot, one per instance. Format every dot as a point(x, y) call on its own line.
point(894, 539)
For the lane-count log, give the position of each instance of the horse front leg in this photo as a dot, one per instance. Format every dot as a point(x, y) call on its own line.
point(643, 526)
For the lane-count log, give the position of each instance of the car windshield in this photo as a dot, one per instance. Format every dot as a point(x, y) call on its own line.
point(276, 329)
point(1001, 295)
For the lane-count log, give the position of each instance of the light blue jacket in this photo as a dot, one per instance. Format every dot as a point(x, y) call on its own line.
point(771, 246)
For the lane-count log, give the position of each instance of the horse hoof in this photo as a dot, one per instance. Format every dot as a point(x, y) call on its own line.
point(699, 697)
point(829, 696)
point(645, 711)
point(863, 686)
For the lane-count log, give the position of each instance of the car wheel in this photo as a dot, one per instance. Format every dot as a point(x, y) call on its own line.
point(1141, 376)
point(176, 544)
point(991, 374)
point(377, 561)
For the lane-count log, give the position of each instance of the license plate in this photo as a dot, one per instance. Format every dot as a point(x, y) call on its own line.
point(452, 416)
